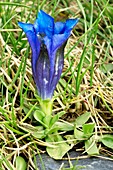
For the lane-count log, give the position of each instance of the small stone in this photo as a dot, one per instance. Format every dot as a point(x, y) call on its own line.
point(91, 163)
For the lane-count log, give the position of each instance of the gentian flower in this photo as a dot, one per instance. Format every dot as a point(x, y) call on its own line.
point(47, 40)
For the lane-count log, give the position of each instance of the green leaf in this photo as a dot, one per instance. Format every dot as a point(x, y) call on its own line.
point(51, 130)
point(107, 140)
point(47, 119)
point(70, 139)
point(37, 131)
point(78, 134)
point(39, 118)
point(88, 129)
point(56, 117)
point(82, 119)
point(20, 163)
point(64, 126)
point(60, 147)
point(39, 134)
point(29, 128)
point(60, 114)
point(53, 120)
point(39, 114)
point(91, 147)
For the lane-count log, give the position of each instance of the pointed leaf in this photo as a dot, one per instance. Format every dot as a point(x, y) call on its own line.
point(39, 114)
point(64, 126)
point(56, 117)
point(47, 119)
point(91, 147)
point(29, 128)
point(88, 129)
point(107, 140)
point(82, 119)
point(39, 134)
point(60, 148)
point(39, 117)
point(78, 134)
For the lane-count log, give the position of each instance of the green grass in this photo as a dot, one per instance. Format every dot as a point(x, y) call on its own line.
point(86, 83)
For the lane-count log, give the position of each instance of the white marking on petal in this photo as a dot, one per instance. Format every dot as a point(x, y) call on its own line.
point(44, 66)
point(45, 81)
point(56, 64)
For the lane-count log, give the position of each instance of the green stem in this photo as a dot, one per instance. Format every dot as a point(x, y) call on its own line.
point(46, 106)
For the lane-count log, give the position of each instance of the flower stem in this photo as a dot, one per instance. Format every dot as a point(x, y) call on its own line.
point(46, 106)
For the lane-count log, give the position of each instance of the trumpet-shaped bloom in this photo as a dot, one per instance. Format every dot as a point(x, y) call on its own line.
point(47, 40)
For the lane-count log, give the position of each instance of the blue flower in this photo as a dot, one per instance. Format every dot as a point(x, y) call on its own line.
point(47, 40)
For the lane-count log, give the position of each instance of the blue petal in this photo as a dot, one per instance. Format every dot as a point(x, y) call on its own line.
point(59, 39)
point(32, 38)
point(55, 63)
point(36, 26)
point(35, 46)
point(70, 23)
point(45, 23)
point(26, 26)
point(59, 27)
point(56, 41)
point(52, 46)
point(42, 71)
point(59, 62)
point(49, 42)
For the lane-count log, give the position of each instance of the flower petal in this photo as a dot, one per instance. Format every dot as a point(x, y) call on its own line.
point(52, 46)
point(59, 39)
point(55, 42)
point(70, 23)
point(26, 26)
point(33, 40)
point(35, 46)
point(59, 27)
point(45, 23)
point(36, 26)
point(59, 62)
point(42, 71)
